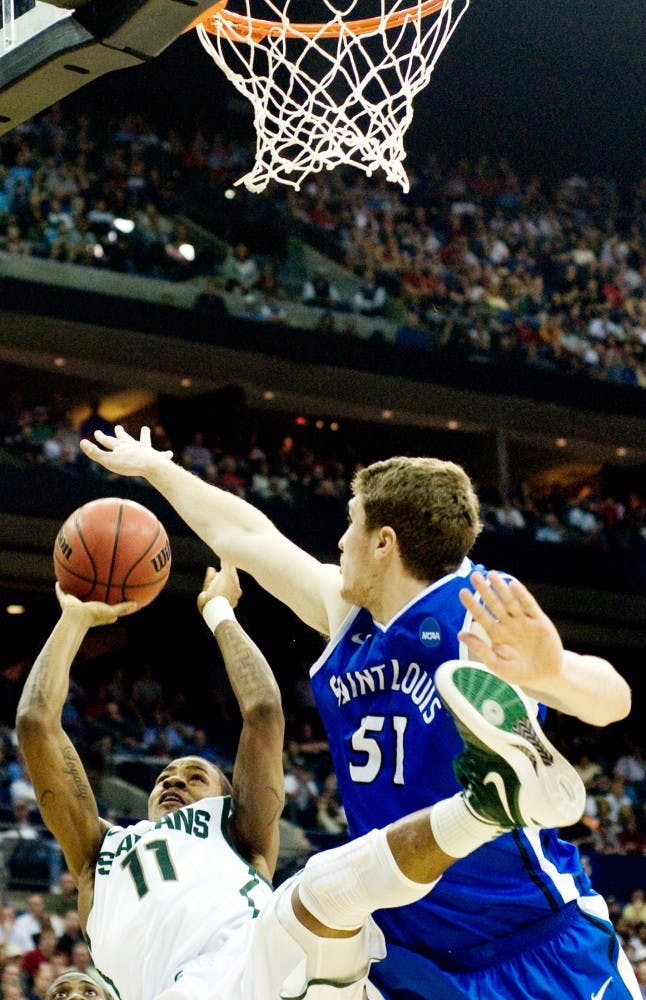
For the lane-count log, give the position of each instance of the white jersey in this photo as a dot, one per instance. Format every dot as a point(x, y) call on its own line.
point(166, 892)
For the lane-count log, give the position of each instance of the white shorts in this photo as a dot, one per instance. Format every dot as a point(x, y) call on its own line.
point(262, 961)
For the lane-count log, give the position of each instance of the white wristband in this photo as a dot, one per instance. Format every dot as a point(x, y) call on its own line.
point(217, 610)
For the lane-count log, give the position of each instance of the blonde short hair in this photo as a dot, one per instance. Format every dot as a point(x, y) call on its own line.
point(430, 504)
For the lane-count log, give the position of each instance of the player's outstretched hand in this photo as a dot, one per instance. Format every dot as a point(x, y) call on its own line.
point(123, 453)
point(524, 646)
point(224, 584)
point(94, 612)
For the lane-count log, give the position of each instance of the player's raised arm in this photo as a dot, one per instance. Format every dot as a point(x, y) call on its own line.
point(235, 530)
point(65, 798)
point(519, 642)
point(258, 783)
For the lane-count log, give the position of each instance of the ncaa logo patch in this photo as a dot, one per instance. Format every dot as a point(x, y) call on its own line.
point(429, 633)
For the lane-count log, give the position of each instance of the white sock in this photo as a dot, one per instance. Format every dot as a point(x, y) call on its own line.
point(456, 830)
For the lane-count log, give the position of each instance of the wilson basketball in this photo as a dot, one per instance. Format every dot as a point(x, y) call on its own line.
point(112, 550)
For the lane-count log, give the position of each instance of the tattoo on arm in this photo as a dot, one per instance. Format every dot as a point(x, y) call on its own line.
point(249, 673)
point(279, 805)
point(73, 770)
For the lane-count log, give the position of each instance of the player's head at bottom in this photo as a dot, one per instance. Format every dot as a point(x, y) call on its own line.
point(74, 985)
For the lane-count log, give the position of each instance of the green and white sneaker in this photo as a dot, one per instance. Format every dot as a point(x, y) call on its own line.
point(511, 773)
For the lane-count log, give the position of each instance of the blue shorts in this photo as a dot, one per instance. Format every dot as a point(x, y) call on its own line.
point(574, 954)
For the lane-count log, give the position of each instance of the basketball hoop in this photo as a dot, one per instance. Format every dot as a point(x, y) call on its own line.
point(334, 92)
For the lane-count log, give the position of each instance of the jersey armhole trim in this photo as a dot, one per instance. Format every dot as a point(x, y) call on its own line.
point(335, 639)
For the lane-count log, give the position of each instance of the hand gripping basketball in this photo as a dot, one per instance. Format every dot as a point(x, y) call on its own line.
point(96, 611)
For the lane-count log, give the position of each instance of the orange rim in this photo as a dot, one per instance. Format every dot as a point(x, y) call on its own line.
point(239, 28)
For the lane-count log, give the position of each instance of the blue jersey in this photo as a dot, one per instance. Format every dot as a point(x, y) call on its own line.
point(393, 744)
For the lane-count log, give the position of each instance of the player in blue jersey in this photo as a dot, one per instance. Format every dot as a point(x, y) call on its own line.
point(518, 917)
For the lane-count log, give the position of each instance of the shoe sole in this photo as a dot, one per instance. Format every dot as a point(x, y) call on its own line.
point(497, 716)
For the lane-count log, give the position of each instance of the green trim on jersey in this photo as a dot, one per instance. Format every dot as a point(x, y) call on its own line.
point(228, 809)
point(110, 983)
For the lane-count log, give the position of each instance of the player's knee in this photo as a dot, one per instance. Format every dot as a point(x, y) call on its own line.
point(342, 887)
point(334, 959)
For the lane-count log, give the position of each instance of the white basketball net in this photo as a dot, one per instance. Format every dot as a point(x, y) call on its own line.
point(324, 101)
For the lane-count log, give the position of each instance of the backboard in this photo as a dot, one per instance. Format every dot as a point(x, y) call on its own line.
point(49, 50)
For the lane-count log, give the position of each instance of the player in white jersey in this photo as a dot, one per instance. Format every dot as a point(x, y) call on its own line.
point(406, 599)
point(74, 985)
point(180, 906)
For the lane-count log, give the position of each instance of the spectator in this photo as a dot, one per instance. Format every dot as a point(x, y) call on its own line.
point(9, 936)
point(634, 912)
point(71, 934)
point(630, 838)
point(209, 303)
point(301, 795)
point(231, 475)
point(260, 482)
point(43, 978)
point(62, 449)
point(146, 692)
point(41, 953)
point(617, 797)
point(30, 923)
point(179, 254)
point(14, 243)
point(410, 334)
point(22, 831)
point(268, 284)
point(11, 979)
point(326, 323)
point(330, 814)
point(100, 218)
point(639, 953)
point(549, 529)
point(199, 459)
point(631, 767)
point(581, 519)
point(63, 895)
point(295, 849)
point(161, 737)
point(605, 829)
point(81, 958)
point(21, 788)
point(240, 271)
point(319, 292)
point(119, 725)
point(370, 297)
point(588, 769)
point(640, 972)
point(269, 310)
point(509, 518)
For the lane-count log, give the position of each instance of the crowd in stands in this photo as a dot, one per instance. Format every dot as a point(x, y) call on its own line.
point(40, 938)
point(475, 261)
point(293, 473)
point(489, 264)
point(76, 191)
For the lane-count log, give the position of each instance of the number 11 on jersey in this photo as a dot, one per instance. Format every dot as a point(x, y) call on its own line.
point(132, 862)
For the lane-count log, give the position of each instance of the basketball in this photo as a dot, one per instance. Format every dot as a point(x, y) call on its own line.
point(112, 550)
